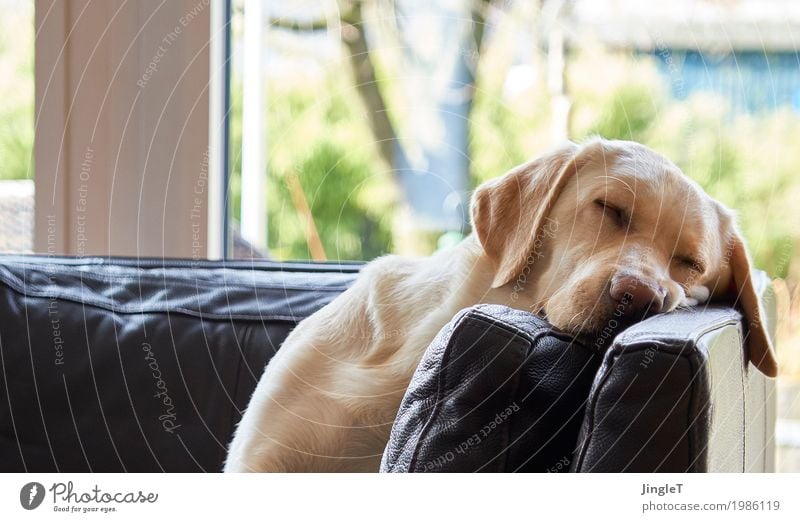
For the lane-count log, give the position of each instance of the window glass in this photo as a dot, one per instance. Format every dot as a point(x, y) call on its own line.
point(16, 126)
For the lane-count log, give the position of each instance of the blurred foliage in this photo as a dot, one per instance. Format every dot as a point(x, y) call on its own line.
point(317, 130)
point(317, 134)
point(16, 92)
point(496, 137)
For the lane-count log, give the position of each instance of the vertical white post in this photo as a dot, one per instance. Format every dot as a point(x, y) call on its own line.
point(216, 147)
point(556, 71)
point(254, 210)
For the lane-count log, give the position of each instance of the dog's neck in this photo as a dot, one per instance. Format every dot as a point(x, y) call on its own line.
point(470, 274)
point(453, 279)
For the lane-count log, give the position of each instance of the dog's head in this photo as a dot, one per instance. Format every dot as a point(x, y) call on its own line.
point(609, 232)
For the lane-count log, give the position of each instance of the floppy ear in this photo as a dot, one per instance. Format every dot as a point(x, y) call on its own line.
point(509, 213)
point(759, 345)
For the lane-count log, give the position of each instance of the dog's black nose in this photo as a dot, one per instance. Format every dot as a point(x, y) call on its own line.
point(636, 296)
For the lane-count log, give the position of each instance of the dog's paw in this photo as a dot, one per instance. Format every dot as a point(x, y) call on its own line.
point(696, 295)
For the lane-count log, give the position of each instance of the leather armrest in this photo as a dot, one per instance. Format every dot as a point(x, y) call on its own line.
point(497, 390)
point(674, 393)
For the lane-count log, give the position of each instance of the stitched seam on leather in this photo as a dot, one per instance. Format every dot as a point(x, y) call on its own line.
point(694, 367)
point(561, 428)
point(125, 310)
point(692, 435)
point(444, 362)
point(742, 423)
point(147, 274)
point(122, 309)
point(148, 263)
point(508, 326)
point(691, 360)
point(696, 408)
point(538, 330)
point(629, 350)
point(507, 429)
point(439, 381)
point(11, 280)
point(704, 411)
point(701, 330)
point(682, 354)
point(692, 432)
point(671, 342)
point(515, 334)
point(532, 337)
point(591, 407)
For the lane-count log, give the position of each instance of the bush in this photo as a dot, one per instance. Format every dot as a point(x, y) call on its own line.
point(315, 133)
point(16, 92)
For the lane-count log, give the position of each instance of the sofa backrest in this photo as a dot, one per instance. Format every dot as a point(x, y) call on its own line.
point(140, 365)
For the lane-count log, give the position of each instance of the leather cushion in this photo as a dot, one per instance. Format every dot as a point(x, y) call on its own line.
point(497, 390)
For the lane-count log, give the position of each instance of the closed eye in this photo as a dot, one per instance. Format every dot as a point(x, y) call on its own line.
point(692, 264)
point(617, 215)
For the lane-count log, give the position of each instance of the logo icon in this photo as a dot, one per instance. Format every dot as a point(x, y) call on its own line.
point(31, 495)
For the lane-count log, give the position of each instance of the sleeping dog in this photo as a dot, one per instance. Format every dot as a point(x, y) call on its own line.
point(575, 235)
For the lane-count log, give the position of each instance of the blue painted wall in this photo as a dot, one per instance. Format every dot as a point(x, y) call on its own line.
point(752, 81)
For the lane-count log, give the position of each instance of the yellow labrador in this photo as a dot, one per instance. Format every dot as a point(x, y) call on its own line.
point(577, 235)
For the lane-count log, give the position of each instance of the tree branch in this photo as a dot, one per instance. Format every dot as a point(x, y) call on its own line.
point(479, 15)
point(294, 25)
point(355, 40)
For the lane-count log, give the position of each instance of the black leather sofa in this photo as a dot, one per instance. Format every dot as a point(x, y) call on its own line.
point(145, 365)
